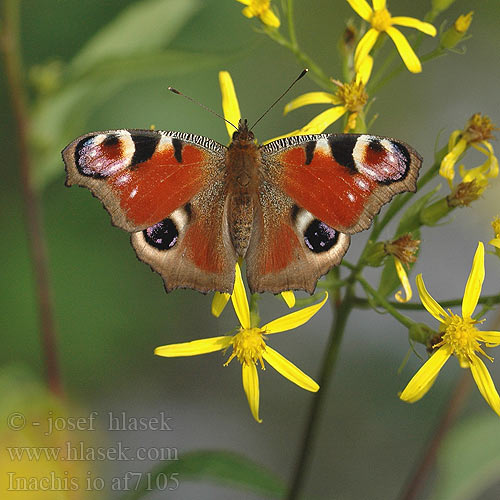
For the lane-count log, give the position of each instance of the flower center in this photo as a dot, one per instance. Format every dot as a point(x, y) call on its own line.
point(353, 96)
point(381, 20)
point(460, 334)
point(248, 346)
point(479, 128)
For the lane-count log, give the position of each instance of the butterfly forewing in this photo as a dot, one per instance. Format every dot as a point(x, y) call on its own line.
point(167, 188)
point(342, 179)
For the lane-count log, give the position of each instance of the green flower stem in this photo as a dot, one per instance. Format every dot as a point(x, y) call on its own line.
point(489, 300)
point(254, 310)
point(342, 311)
point(315, 71)
point(380, 82)
point(404, 320)
point(10, 47)
point(291, 25)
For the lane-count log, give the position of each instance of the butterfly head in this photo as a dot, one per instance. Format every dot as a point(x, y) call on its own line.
point(243, 134)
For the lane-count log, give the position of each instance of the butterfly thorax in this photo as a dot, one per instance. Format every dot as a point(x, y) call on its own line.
point(242, 160)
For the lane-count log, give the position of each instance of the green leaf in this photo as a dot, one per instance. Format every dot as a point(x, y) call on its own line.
point(469, 459)
point(60, 118)
point(145, 26)
point(221, 467)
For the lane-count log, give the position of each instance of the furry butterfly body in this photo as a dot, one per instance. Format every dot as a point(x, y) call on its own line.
point(194, 207)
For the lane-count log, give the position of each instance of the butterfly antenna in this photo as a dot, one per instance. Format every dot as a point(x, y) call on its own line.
point(304, 72)
point(175, 91)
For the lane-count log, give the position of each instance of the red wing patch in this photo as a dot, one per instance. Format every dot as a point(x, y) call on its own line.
point(344, 179)
point(152, 190)
point(203, 247)
point(333, 193)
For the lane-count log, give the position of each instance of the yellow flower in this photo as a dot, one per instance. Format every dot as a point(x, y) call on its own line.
point(262, 10)
point(496, 229)
point(382, 21)
point(349, 98)
point(249, 345)
point(477, 133)
point(460, 337)
point(403, 249)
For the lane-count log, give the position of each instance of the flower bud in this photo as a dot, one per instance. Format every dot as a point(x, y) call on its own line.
point(452, 36)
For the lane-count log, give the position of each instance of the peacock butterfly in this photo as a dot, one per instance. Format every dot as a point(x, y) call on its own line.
point(194, 206)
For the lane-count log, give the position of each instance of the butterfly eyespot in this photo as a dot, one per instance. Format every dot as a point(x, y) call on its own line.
point(319, 237)
point(162, 236)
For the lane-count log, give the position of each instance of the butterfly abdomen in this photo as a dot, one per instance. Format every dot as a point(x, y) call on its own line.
point(242, 160)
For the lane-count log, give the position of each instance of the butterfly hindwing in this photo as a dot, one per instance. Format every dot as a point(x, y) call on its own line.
point(167, 188)
point(290, 249)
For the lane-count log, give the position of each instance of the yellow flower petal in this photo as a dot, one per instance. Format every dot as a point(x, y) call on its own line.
point(319, 123)
point(364, 46)
point(289, 298)
point(447, 167)
point(405, 51)
point(295, 319)
point(411, 22)
point(239, 298)
point(490, 167)
point(365, 70)
point(485, 383)
point(495, 242)
point(289, 370)
point(362, 8)
point(230, 105)
point(269, 18)
point(405, 282)
point(474, 283)
point(379, 4)
point(424, 378)
point(219, 303)
point(203, 346)
point(251, 387)
point(492, 338)
point(310, 98)
point(428, 302)
point(248, 12)
point(245, 2)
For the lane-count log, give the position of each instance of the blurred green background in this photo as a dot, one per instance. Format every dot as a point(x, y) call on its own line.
point(111, 310)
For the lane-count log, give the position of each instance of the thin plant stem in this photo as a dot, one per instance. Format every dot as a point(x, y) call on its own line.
point(404, 320)
point(10, 47)
point(490, 300)
point(453, 407)
point(291, 24)
point(342, 310)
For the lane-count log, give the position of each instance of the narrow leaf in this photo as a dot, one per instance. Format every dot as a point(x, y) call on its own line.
point(142, 27)
point(469, 459)
point(221, 467)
